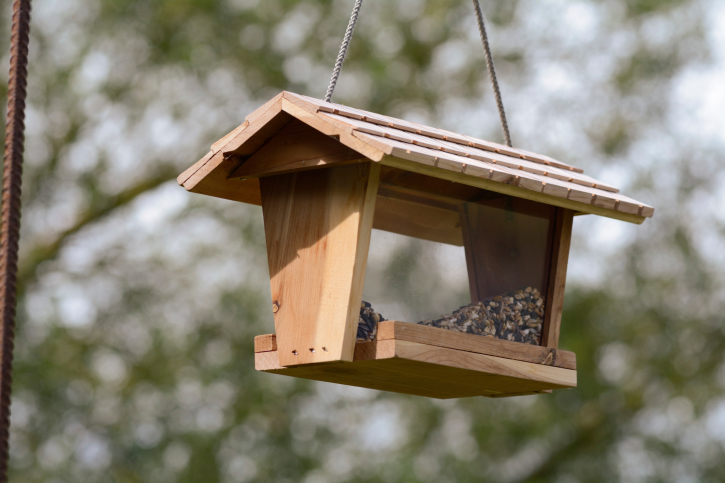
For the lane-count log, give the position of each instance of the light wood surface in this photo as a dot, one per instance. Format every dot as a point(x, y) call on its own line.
point(265, 343)
point(296, 146)
point(417, 216)
point(342, 131)
point(428, 370)
point(435, 133)
point(475, 343)
point(497, 172)
point(422, 334)
point(473, 152)
point(557, 278)
point(210, 175)
point(428, 150)
point(317, 226)
point(504, 183)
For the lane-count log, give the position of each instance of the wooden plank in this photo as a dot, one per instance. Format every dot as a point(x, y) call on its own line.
point(265, 343)
point(225, 140)
point(503, 375)
point(508, 245)
point(438, 192)
point(475, 343)
point(590, 198)
point(211, 179)
point(390, 372)
point(360, 374)
point(307, 113)
point(557, 278)
point(465, 149)
point(189, 172)
point(295, 146)
point(406, 331)
point(271, 106)
point(509, 188)
point(317, 226)
point(261, 128)
point(428, 131)
point(494, 167)
point(210, 175)
point(415, 216)
point(264, 108)
point(412, 368)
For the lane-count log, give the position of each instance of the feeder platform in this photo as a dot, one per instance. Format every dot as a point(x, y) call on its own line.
point(426, 361)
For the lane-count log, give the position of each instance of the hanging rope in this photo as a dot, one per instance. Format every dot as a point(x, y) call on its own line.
point(486, 50)
point(492, 72)
point(10, 216)
point(343, 50)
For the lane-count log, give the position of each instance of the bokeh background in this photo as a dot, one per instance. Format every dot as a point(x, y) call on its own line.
point(139, 302)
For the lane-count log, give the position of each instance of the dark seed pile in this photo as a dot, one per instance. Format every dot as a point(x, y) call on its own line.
point(516, 316)
point(367, 326)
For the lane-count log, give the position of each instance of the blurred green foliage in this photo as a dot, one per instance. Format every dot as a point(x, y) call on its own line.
point(139, 302)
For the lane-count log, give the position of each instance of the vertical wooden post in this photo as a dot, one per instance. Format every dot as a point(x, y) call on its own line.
point(317, 225)
point(557, 278)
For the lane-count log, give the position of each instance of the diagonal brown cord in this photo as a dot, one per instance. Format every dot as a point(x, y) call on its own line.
point(10, 216)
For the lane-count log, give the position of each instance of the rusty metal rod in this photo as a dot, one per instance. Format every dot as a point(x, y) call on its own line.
point(10, 214)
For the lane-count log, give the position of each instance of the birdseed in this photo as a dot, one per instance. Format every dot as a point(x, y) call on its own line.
point(516, 316)
point(367, 326)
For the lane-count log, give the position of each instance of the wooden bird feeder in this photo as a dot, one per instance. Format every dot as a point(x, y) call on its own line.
point(326, 175)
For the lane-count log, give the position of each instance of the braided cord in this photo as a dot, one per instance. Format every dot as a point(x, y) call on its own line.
point(492, 72)
point(10, 215)
point(343, 50)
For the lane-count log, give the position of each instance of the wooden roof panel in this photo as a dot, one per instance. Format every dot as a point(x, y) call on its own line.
point(436, 133)
point(474, 152)
point(409, 146)
point(517, 177)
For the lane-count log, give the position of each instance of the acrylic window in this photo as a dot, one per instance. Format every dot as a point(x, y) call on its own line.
point(451, 256)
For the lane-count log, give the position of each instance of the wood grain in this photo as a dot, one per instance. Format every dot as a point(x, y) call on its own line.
point(557, 278)
point(427, 370)
point(503, 183)
point(431, 151)
point(422, 334)
point(488, 367)
point(317, 226)
point(296, 146)
point(406, 331)
point(417, 216)
point(307, 113)
point(265, 343)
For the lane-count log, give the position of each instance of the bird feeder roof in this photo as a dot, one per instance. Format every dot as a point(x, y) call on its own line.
point(404, 145)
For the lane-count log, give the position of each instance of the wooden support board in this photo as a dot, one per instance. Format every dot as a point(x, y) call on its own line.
point(557, 277)
point(416, 214)
point(317, 226)
point(437, 363)
point(296, 146)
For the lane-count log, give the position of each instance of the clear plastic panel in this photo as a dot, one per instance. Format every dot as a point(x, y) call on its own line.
point(494, 285)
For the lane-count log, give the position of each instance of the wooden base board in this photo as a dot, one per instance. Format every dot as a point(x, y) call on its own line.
point(430, 367)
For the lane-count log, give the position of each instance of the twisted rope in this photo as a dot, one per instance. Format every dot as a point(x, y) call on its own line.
point(10, 215)
point(343, 50)
point(492, 72)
